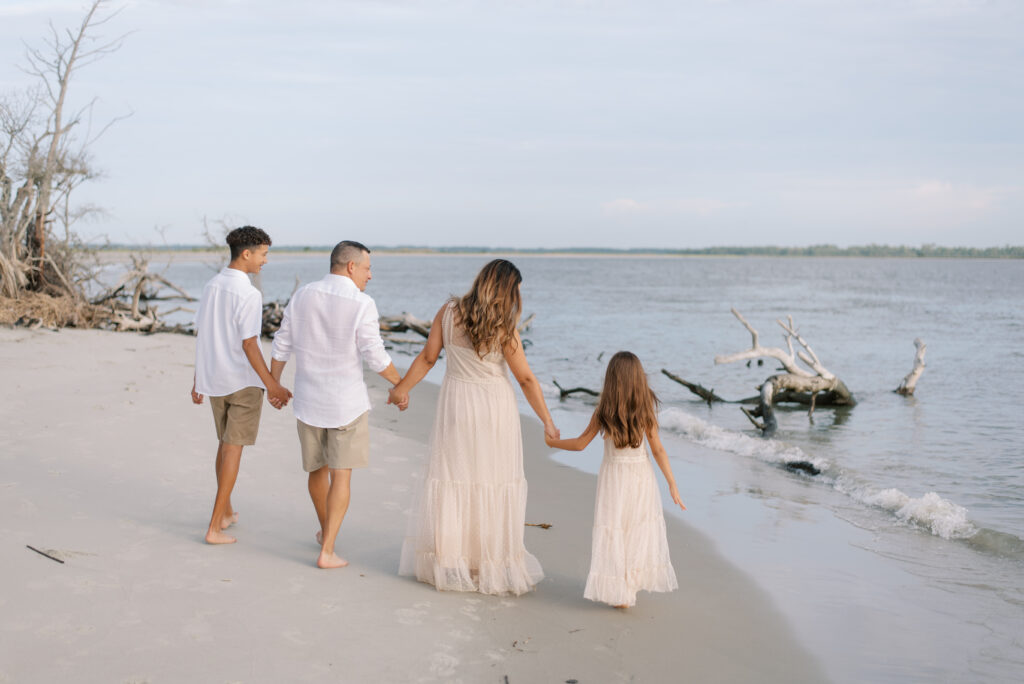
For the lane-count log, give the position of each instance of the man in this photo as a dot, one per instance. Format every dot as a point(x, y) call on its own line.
point(230, 368)
point(332, 327)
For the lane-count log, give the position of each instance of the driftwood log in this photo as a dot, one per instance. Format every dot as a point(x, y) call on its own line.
point(793, 385)
point(563, 392)
point(909, 383)
point(707, 395)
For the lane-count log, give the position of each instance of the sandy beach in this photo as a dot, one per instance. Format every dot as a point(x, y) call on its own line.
point(107, 465)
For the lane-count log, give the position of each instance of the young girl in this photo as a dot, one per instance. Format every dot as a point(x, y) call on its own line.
point(629, 551)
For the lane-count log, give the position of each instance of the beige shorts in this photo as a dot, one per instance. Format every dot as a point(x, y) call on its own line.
point(347, 446)
point(237, 416)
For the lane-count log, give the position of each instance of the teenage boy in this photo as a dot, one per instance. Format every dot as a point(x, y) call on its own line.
point(230, 368)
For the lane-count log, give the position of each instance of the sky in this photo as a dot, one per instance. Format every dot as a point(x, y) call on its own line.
point(552, 123)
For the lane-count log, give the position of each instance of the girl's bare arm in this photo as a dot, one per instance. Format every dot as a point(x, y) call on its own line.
point(578, 443)
point(661, 458)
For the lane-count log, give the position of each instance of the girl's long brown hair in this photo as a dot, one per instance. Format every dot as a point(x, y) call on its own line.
point(627, 408)
point(490, 311)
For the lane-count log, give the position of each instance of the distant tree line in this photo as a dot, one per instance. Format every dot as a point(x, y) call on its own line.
point(926, 250)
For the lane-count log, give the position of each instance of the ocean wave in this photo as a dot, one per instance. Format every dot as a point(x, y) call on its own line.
point(942, 517)
point(931, 512)
point(714, 437)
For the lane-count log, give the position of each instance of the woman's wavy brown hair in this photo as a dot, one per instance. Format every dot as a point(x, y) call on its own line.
point(490, 311)
point(627, 408)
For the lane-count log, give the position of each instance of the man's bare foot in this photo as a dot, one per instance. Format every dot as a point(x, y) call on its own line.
point(331, 561)
point(621, 606)
point(219, 538)
point(319, 537)
point(229, 521)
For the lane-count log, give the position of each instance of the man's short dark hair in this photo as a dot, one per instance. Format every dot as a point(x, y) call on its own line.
point(246, 237)
point(346, 251)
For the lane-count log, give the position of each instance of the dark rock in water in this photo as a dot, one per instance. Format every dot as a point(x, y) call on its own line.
point(803, 466)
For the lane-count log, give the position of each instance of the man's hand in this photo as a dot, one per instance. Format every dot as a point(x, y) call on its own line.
point(278, 396)
point(197, 398)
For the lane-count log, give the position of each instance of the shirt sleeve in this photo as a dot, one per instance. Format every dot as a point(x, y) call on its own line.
point(282, 347)
point(250, 316)
point(368, 340)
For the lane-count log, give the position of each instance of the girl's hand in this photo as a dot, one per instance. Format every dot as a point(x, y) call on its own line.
point(674, 491)
point(551, 433)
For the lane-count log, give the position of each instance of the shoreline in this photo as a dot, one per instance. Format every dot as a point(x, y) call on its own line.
point(108, 464)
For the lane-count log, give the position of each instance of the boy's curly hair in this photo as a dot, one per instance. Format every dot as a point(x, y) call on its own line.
point(246, 237)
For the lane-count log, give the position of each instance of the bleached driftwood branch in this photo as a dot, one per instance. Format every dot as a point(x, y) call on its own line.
point(909, 383)
point(796, 381)
point(404, 323)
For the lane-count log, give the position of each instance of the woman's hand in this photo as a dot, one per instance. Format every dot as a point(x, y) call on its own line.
point(399, 399)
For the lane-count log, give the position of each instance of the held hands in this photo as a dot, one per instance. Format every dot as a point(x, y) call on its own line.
point(278, 396)
point(551, 433)
point(399, 399)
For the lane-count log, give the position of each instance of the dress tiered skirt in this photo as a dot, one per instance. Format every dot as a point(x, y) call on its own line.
point(629, 549)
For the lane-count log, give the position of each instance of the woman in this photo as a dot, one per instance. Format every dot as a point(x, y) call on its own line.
point(466, 533)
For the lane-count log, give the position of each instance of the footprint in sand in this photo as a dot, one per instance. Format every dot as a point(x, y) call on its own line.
point(414, 615)
point(410, 616)
point(443, 664)
point(471, 609)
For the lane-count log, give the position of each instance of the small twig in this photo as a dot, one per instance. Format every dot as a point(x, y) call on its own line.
point(43, 553)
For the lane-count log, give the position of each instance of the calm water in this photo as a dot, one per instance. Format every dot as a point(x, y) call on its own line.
point(903, 561)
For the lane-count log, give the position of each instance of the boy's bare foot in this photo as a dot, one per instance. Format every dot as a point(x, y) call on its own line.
point(219, 538)
point(331, 561)
point(229, 521)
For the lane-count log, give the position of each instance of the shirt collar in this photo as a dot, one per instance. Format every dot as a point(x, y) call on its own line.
point(340, 280)
point(234, 273)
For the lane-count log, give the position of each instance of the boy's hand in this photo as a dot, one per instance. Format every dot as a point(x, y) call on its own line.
point(549, 440)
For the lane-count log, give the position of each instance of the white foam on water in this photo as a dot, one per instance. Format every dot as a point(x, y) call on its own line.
point(941, 517)
point(714, 437)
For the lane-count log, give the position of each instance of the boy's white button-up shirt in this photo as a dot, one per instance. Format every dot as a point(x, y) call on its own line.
point(231, 310)
point(332, 328)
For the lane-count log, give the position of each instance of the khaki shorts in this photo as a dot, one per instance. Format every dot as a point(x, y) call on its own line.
point(237, 416)
point(347, 446)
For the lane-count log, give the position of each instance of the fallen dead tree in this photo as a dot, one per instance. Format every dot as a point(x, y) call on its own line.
point(815, 387)
point(391, 327)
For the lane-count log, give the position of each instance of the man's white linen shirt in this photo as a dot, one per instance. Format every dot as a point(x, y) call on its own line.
point(331, 327)
point(231, 310)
